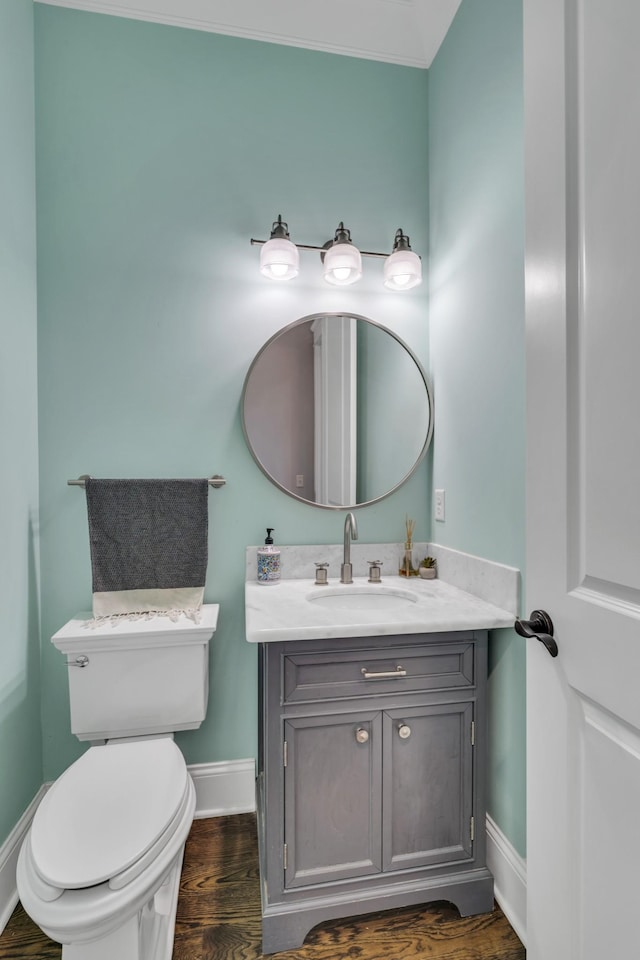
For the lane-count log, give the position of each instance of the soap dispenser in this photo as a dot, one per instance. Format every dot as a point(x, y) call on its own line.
point(268, 560)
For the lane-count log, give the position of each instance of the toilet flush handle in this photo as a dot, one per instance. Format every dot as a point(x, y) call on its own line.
point(80, 661)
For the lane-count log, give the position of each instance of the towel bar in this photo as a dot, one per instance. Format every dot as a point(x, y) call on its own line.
point(215, 481)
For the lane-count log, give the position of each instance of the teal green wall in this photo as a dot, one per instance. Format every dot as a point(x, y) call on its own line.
point(477, 337)
point(160, 153)
point(20, 737)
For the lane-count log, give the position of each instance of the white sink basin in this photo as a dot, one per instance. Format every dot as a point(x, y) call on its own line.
point(374, 598)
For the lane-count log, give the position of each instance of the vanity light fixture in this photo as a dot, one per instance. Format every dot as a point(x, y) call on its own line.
point(279, 257)
point(342, 261)
point(403, 269)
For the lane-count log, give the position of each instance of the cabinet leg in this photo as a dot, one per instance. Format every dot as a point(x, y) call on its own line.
point(472, 899)
point(284, 933)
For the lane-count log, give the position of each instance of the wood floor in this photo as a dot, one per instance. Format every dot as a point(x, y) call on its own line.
point(219, 916)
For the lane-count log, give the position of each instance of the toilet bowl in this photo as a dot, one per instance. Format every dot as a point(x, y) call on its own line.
point(99, 869)
point(104, 842)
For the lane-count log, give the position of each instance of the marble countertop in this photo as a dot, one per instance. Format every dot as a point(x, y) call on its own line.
point(284, 611)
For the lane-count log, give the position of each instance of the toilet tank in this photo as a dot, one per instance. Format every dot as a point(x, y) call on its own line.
point(137, 677)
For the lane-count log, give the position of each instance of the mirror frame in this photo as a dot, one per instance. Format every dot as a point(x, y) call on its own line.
point(427, 442)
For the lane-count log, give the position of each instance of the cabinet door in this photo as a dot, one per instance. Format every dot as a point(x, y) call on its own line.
point(427, 786)
point(332, 798)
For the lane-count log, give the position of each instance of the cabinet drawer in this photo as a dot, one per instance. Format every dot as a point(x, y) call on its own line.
point(370, 672)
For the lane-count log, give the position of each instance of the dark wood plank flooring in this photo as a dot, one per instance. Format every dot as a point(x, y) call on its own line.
point(219, 916)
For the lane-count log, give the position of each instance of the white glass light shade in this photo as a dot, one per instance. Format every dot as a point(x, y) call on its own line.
point(342, 264)
point(402, 270)
point(279, 259)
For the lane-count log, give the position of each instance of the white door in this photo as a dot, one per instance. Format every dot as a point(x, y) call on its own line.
point(582, 133)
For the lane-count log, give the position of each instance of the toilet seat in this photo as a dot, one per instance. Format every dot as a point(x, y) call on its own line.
point(84, 920)
point(108, 815)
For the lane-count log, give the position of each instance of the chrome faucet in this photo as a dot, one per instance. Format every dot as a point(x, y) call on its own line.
point(350, 531)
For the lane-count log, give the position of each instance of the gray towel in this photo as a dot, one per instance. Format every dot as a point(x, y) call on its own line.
point(148, 542)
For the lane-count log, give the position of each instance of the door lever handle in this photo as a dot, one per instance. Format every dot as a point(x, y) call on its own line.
point(539, 626)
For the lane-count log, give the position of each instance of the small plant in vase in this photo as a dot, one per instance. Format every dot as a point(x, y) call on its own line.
point(428, 568)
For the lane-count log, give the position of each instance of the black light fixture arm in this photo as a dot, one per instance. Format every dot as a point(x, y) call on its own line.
point(279, 229)
point(342, 235)
point(323, 249)
point(401, 241)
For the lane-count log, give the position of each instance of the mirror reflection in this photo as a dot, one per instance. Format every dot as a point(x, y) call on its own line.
point(336, 410)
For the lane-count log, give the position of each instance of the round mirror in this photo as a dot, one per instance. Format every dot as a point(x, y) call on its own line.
point(337, 411)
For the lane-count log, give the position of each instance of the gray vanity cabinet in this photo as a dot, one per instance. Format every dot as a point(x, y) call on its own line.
point(370, 778)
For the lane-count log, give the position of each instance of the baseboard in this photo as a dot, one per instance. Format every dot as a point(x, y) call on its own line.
point(224, 788)
point(509, 871)
point(9, 858)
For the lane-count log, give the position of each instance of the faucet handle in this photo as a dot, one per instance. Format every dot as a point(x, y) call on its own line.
point(374, 571)
point(322, 576)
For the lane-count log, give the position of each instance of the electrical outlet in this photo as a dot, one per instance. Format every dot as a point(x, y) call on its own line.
point(299, 479)
point(439, 505)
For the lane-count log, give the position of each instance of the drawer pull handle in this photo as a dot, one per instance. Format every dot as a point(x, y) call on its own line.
point(362, 735)
point(385, 674)
point(404, 731)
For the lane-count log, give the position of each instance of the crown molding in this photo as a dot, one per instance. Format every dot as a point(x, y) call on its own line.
point(404, 32)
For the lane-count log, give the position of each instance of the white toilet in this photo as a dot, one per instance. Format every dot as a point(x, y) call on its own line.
point(99, 870)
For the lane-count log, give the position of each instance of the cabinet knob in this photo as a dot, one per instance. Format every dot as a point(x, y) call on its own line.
point(362, 735)
point(404, 731)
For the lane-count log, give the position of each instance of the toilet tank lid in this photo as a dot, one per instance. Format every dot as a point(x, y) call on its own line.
point(156, 631)
point(106, 810)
